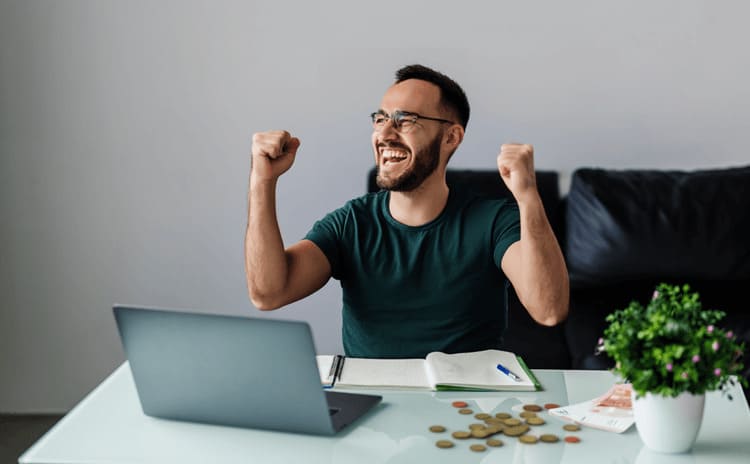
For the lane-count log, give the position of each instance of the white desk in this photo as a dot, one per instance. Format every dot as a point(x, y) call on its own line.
point(109, 426)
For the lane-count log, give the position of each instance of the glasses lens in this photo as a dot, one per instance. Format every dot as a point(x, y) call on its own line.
point(378, 120)
point(404, 122)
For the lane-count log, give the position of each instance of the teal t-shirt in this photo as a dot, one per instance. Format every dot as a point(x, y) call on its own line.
point(407, 290)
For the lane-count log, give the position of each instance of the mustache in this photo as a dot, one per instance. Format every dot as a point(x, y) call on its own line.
point(382, 145)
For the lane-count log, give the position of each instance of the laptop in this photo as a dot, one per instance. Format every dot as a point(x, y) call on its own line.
point(233, 371)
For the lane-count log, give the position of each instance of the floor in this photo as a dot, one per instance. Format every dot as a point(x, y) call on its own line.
point(19, 432)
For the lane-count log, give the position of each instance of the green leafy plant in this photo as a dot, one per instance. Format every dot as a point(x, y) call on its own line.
point(672, 345)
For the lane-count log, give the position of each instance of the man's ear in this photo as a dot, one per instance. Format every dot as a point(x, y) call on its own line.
point(454, 135)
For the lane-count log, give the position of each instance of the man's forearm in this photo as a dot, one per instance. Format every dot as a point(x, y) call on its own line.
point(544, 277)
point(265, 260)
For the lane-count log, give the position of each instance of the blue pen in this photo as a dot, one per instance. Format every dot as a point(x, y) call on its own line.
point(507, 372)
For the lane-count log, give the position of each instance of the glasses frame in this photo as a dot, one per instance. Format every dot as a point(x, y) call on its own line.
point(397, 118)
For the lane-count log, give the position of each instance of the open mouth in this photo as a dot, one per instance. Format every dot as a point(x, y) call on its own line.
point(391, 156)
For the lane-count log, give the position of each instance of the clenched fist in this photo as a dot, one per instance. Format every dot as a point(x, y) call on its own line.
point(516, 165)
point(273, 154)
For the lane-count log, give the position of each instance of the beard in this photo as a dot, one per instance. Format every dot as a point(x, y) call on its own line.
point(426, 161)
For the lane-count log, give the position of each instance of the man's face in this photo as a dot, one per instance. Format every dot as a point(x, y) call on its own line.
point(405, 160)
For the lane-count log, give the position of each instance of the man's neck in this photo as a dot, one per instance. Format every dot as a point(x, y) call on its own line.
point(421, 205)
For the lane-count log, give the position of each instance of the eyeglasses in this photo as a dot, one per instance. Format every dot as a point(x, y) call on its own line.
point(403, 121)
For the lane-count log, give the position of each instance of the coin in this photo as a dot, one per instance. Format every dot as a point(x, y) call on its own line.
point(482, 416)
point(551, 406)
point(478, 448)
point(465, 411)
point(476, 426)
point(549, 438)
point(512, 422)
point(493, 429)
point(532, 407)
point(516, 431)
point(528, 439)
point(461, 434)
point(527, 414)
point(571, 427)
point(535, 421)
point(460, 404)
point(572, 439)
point(503, 415)
point(493, 421)
point(494, 442)
point(480, 433)
point(437, 428)
point(444, 444)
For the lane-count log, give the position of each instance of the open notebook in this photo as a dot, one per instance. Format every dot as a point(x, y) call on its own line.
point(476, 370)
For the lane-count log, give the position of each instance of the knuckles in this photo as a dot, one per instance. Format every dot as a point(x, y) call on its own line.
point(269, 142)
point(516, 149)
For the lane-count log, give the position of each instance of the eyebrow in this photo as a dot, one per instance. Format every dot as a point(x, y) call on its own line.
point(384, 112)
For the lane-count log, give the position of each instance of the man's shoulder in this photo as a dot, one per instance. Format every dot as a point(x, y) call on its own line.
point(360, 208)
point(369, 202)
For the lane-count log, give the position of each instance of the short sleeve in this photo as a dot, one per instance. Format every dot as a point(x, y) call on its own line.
point(328, 234)
point(506, 229)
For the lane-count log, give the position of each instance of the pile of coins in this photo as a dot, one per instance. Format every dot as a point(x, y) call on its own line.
point(505, 424)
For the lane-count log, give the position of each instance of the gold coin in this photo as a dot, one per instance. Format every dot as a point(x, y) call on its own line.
point(482, 416)
point(571, 427)
point(535, 421)
point(516, 430)
point(494, 442)
point(444, 444)
point(493, 421)
point(479, 433)
point(549, 438)
point(493, 429)
point(512, 422)
point(503, 415)
point(465, 411)
point(528, 439)
point(532, 407)
point(513, 431)
point(478, 448)
point(437, 428)
point(527, 414)
point(476, 426)
point(461, 434)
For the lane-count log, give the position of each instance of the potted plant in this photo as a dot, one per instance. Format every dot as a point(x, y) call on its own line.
point(672, 352)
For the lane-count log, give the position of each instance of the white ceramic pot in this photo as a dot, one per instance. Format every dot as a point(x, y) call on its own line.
point(669, 425)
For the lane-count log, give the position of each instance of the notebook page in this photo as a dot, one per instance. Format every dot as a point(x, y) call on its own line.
point(383, 373)
point(477, 369)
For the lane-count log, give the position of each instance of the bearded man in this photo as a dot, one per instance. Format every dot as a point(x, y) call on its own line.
point(422, 267)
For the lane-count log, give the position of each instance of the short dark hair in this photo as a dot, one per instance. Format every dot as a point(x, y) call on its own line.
point(452, 96)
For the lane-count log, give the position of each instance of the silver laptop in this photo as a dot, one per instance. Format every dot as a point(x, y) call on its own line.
point(230, 370)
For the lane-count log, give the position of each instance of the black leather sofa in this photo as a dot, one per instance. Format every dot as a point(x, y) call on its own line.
point(624, 231)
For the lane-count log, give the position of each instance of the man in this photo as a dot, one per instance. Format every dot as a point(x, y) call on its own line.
point(422, 267)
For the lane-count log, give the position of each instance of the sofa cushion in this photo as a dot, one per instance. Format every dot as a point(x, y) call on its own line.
point(641, 224)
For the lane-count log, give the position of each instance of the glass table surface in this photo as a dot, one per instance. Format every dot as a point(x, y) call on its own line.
point(109, 426)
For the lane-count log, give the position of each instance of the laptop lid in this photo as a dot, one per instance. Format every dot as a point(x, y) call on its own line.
point(231, 370)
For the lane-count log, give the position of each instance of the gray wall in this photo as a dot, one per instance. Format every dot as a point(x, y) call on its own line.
point(125, 131)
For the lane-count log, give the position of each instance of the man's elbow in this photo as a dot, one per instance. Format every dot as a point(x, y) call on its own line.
point(552, 316)
point(264, 302)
